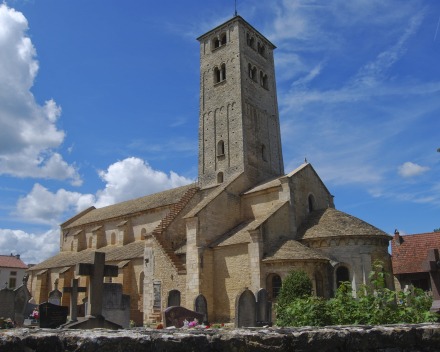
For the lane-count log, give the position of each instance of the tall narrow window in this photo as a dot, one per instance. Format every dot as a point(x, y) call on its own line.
point(141, 283)
point(250, 71)
point(220, 148)
point(263, 152)
point(319, 285)
point(311, 203)
point(263, 80)
point(216, 43)
point(341, 275)
point(90, 242)
point(220, 177)
point(248, 39)
point(113, 238)
point(251, 42)
point(216, 75)
point(276, 285)
point(224, 39)
point(223, 72)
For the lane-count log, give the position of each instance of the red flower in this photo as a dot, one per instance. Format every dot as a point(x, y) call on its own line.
point(223, 324)
point(207, 327)
point(160, 326)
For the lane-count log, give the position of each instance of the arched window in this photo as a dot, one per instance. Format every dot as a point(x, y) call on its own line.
point(263, 152)
point(223, 75)
point(319, 285)
point(248, 39)
point(141, 283)
point(251, 42)
point(215, 43)
point(250, 71)
point(276, 285)
point(261, 50)
point(341, 275)
point(223, 40)
point(220, 148)
point(113, 238)
point(71, 246)
point(311, 203)
point(216, 75)
point(220, 177)
point(90, 242)
point(263, 80)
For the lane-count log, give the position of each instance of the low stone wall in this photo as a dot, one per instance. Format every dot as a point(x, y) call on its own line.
point(386, 338)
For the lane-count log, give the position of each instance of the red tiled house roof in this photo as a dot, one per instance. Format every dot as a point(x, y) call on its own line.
point(409, 255)
point(8, 261)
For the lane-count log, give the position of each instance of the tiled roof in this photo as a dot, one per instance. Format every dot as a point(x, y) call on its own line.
point(8, 261)
point(240, 233)
point(408, 257)
point(112, 253)
point(293, 250)
point(214, 194)
point(151, 201)
point(331, 223)
point(274, 182)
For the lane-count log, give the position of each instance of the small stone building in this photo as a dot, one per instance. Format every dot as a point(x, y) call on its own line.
point(409, 252)
point(12, 270)
point(244, 223)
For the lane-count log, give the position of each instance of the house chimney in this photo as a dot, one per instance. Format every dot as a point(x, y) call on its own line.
point(17, 256)
point(397, 238)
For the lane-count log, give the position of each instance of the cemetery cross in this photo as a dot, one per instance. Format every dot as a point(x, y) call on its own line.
point(73, 290)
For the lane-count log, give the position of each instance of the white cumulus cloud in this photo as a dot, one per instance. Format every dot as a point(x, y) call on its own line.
point(409, 169)
point(127, 179)
point(32, 248)
point(28, 131)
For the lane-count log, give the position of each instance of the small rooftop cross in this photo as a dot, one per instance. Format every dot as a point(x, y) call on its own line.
point(432, 265)
point(97, 270)
point(55, 285)
point(73, 290)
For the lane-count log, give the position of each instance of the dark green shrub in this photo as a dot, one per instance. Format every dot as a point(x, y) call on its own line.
point(378, 306)
point(296, 285)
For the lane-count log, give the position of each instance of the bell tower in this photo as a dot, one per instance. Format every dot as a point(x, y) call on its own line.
point(239, 128)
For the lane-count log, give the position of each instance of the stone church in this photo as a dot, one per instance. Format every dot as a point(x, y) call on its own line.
point(245, 223)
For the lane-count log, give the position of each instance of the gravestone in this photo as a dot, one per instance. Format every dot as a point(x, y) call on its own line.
point(432, 265)
point(73, 290)
point(174, 298)
point(157, 295)
point(263, 308)
point(245, 309)
point(7, 304)
point(201, 306)
point(29, 309)
point(97, 270)
point(52, 315)
point(55, 295)
point(22, 296)
point(115, 305)
point(174, 316)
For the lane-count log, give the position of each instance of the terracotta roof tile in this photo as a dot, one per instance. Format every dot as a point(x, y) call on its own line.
point(113, 253)
point(132, 206)
point(293, 250)
point(408, 257)
point(331, 223)
point(8, 261)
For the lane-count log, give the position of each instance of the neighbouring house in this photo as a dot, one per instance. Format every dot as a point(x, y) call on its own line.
point(245, 223)
point(408, 253)
point(12, 270)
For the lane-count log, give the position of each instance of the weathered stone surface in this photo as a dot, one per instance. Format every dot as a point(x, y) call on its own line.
point(175, 316)
point(387, 338)
point(7, 304)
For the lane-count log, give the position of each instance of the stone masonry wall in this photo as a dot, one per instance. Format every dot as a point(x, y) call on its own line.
point(387, 338)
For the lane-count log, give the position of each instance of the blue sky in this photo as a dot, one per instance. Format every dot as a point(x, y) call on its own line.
point(99, 104)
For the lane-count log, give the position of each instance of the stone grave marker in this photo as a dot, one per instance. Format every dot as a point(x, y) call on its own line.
point(173, 298)
point(157, 294)
point(55, 295)
point(7, 304)
point(52, 315)
point(263, 308)
point(201, 306)
point(432, 265)
point(174, 316)
point(97, 270)
point(73, 290)
point(115, 305)
point(22, 296)
point(245, 309)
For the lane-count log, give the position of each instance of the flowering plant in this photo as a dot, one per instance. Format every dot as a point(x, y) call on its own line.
point(35, 314)
point(10, 324)
point(160, 326)
point(131, 323)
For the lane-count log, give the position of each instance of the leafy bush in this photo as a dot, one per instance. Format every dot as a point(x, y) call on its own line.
point(370, 306)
